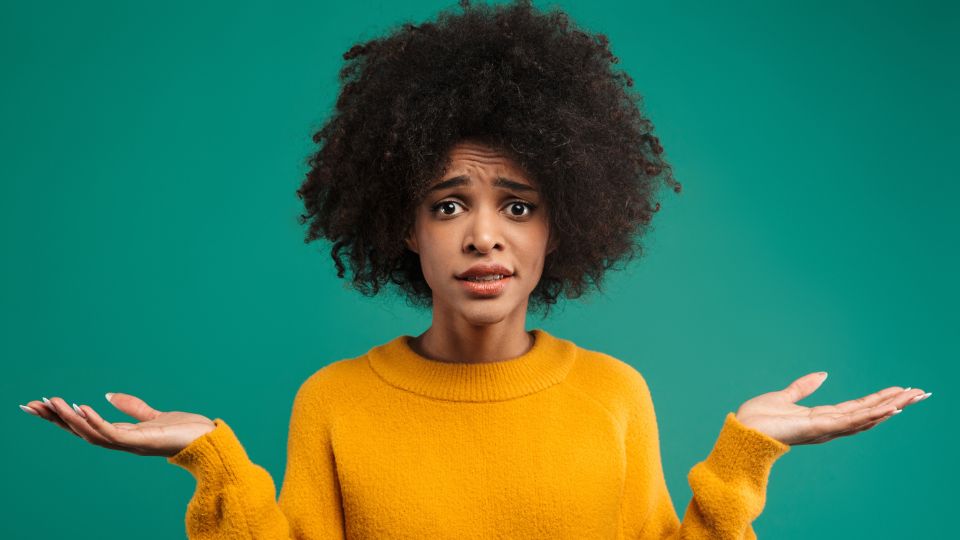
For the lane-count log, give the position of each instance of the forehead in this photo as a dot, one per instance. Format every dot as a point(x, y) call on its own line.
point(471, 156)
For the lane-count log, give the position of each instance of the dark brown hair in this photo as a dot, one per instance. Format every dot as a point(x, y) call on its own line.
point(530, 83)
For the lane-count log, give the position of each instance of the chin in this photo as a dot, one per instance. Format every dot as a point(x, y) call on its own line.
point(484, 317)
point(486, 312)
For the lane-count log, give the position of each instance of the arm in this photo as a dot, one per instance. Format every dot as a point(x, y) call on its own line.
point(234, 497)
point(729, 486)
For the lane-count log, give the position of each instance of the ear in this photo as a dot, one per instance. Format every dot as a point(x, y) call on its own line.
point(411, 241)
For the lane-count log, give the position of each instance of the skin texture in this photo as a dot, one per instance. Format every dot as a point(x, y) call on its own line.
point(458, 227)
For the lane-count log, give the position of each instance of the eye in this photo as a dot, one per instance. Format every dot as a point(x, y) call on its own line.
point(521, 205)
point(444, 205)
point(447, 208)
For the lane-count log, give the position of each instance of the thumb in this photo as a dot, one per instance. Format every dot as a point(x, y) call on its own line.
point(133, 406)
point(804, 386)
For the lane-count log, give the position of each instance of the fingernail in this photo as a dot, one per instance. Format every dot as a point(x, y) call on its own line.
point(925, 396)
point(79, 411)
point(907, 388)
point(47, 403)
point(898, 411)
point(108, 395)
point(29, 410)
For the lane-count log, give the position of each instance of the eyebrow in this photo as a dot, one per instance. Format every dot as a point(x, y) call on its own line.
point(500, 182)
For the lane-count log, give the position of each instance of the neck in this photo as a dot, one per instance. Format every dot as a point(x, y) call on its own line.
point(452, 339)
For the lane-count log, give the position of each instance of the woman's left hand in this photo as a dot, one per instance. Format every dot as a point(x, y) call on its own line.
point(776, 413)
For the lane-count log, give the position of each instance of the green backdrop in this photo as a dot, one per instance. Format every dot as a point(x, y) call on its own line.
point(150, 154)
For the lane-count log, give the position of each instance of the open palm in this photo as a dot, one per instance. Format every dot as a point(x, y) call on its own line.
point(157, 434)
point(777, 414)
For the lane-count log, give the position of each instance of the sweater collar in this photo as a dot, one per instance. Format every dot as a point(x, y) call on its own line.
point(544, 365)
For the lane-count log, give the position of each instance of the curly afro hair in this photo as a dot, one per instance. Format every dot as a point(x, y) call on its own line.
point(528, 83)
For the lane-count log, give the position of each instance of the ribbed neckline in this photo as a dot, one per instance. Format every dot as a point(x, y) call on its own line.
point(544, 365)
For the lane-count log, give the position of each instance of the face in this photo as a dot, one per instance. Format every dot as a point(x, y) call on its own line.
point(482, 211)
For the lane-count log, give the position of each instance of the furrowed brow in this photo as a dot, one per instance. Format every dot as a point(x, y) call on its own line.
point(500, 182)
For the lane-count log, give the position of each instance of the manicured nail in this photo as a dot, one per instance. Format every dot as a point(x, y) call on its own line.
point(108, 395)
point(79, 411)
point(48, 404)
point(925, 396)
point(898, 411)
point(907, 388)
point(29, 410)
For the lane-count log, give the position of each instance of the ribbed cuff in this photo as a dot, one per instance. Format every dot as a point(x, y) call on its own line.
point(743, 452)
point(215, 453)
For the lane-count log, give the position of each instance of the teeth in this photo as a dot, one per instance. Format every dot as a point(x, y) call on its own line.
point(485, 278)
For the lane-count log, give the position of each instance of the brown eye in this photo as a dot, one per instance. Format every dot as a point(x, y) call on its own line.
point(442, 207)
point(519, 206)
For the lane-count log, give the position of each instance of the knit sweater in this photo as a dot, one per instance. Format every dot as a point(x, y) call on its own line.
point(560, 442)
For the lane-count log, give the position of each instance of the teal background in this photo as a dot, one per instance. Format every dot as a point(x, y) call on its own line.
point(150, 154)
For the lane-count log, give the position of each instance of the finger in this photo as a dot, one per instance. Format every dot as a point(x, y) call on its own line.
point(28, 410)
point(43, 411)
point(47, 413)
point(869, 425)
point(804, 386)
point(853, 431)
point(871, 400)
point(904, 399)
point(830, 424)
point(78, 423)
point(132, 406)
point(121, 438)
point(913, 397)
point(898, 402)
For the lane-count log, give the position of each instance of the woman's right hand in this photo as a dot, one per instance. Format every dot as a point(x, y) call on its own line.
point(157, 433)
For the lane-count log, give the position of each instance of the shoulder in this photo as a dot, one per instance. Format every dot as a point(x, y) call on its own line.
point(343, 371)
point(604, 370)
point(616, 384)
point(339, 383)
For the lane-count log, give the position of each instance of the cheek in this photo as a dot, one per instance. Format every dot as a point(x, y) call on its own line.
point(434, 256)
point(535, 248)
point(535, 238)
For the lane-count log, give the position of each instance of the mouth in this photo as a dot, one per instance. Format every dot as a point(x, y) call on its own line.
point(491, 277)
point(486, 286)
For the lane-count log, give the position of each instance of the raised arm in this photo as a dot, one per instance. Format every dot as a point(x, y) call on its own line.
point(234, 497)
point(729, 486)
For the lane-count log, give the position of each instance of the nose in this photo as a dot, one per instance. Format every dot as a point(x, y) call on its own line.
point(483, 234)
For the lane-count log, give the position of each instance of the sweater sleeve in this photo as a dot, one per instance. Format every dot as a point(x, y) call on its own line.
point(234, 497)
point(729, 486)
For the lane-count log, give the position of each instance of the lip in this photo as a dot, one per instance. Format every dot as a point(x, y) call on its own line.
point(486, 289)
point(485, 269)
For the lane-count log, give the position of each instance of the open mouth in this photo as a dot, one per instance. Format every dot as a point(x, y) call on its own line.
point(487, 285)
point(485, 278)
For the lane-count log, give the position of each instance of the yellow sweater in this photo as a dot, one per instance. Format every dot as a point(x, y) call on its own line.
point(560, 442)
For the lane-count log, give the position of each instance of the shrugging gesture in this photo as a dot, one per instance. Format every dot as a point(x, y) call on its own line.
point(157, 434)
point(777, 414)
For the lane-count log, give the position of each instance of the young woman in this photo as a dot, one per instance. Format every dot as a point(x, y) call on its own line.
point(484, 164)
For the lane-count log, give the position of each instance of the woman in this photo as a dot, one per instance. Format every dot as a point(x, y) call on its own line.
point(484, 164)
